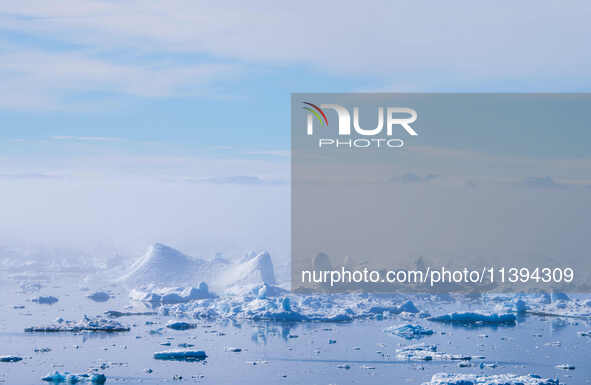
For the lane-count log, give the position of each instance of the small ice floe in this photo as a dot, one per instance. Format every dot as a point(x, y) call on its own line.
point(180, 325)
point(498, 379)
point(585, 334)
point(235, 350)
point(344, 366)
point(118, 314)
point(49, 300)
point(409, 331)
point(99, 296)
point(489, 365)
point(422, 352)
point(10, 358)
point(565, 367)
point(181, 355)
point(475, 319)
point(96, 324)
point(57, 378)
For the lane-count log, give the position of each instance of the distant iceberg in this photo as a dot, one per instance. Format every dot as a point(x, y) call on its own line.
point(168, 295)
point(471, 318)
point(409, 331)
point(181, 355)
point(97, 324)
point(163, 267)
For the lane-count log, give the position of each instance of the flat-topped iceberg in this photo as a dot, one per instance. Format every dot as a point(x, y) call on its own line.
point(97, 324)
point(498, 379)
point(422, 352)
point(10, 358)
point(181, 355)
point(473, 318)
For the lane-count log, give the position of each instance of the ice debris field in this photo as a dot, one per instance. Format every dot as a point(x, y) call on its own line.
point(173, 318)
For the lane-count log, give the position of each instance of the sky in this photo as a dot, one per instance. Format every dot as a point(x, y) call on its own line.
point(126, 123)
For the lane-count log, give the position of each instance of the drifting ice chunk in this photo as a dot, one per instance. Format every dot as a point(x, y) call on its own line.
point(49, 300)
point(409, 331)
point(181, 355)
point(97, 324)
point(424, 352)
point(470, 318)
point(99, 296)
point(10, 358)
point(499, 379)
point(180, 325)
point(57, 378)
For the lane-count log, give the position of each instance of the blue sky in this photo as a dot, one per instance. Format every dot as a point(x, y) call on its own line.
point(217, 75)
point(115, 96)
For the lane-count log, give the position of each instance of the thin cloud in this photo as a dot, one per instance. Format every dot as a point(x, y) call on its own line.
point(236, 180)
point(545, 182)
point(88, 138)
point(414, 178)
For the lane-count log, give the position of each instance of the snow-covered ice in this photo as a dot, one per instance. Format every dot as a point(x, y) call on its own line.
point(70, 378)
point(181, 355)
point(498, 379)
point(473, 318)
point(409, 331)
point(96, 324)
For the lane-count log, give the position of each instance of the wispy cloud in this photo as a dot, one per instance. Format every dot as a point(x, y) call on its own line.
point(237, 180)
point(281, 153)
point(545, 182)
point(88, 138)
point(414, 178)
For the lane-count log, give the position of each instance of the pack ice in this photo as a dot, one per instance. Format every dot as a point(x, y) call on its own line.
point(96, 324)
point(499, 379)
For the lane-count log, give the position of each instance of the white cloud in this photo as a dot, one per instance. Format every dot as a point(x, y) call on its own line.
point(454, 45)
point(36, 78)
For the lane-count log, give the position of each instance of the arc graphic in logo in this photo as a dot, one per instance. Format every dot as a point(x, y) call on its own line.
point(316, 111)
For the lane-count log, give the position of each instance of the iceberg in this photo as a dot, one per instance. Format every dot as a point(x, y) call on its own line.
point(499, 379)
point(96, 324)
point(171, 295)
point(57, 378)
point(99, 296)
point(49, 300)
point(409, 331)
point(10, 358)
point(471, 318)
point(424, 352)
point(180, 325)
point(181, 355)
point(162, 265)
